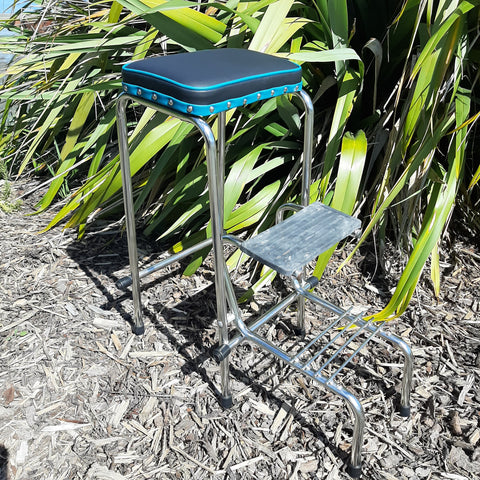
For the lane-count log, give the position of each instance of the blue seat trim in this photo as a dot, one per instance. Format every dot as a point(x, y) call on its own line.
point(205, 110)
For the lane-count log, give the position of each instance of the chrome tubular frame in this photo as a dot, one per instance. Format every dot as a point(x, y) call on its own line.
point(215, 170)
point(225, 295)
point(306, 180)
point(395, 341)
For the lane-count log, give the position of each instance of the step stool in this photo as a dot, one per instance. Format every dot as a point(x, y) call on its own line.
point(191, 86)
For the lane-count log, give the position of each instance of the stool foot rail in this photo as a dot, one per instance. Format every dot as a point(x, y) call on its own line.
point(393, 340)
point(124, 282)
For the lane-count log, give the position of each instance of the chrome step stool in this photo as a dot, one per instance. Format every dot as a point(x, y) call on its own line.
point(190, 86)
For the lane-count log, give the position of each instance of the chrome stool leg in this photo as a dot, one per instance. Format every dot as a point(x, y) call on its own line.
point(138, 327)
point(305, 193)
point(354, 468)
point(406, 387)
point(216, 171)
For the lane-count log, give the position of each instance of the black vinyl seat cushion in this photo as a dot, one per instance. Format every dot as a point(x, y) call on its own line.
point(210, 81)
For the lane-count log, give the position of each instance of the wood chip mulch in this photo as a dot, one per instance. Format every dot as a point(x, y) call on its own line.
point(83, 398)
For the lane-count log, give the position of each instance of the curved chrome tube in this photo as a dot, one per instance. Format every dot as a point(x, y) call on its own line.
point(307, 146)
point(306, 180)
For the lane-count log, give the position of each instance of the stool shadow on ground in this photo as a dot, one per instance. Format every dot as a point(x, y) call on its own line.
point(88, 253)
point(3, 463)
point(189, 325)
point(170, 324)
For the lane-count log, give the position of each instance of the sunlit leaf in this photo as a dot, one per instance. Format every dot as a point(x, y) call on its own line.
point(350, 171)
point(270, 25)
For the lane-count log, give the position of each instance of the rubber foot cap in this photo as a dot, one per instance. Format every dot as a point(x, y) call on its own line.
point(138, 329)
point(301, 332)
point(404, 411)
point(354, 472)
point(226, 402)
point(124, 283)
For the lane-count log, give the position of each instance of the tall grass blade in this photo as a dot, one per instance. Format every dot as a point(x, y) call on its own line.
point(350, 171)
point(271, 23)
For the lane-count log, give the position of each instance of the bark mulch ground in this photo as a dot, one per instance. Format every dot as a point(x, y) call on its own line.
point(83, 398)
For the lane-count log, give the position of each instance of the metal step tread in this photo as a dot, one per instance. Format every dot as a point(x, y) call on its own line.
point(288, 246)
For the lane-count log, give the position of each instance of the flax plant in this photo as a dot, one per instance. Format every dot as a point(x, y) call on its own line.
point(393, 94)
point(428, 122)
